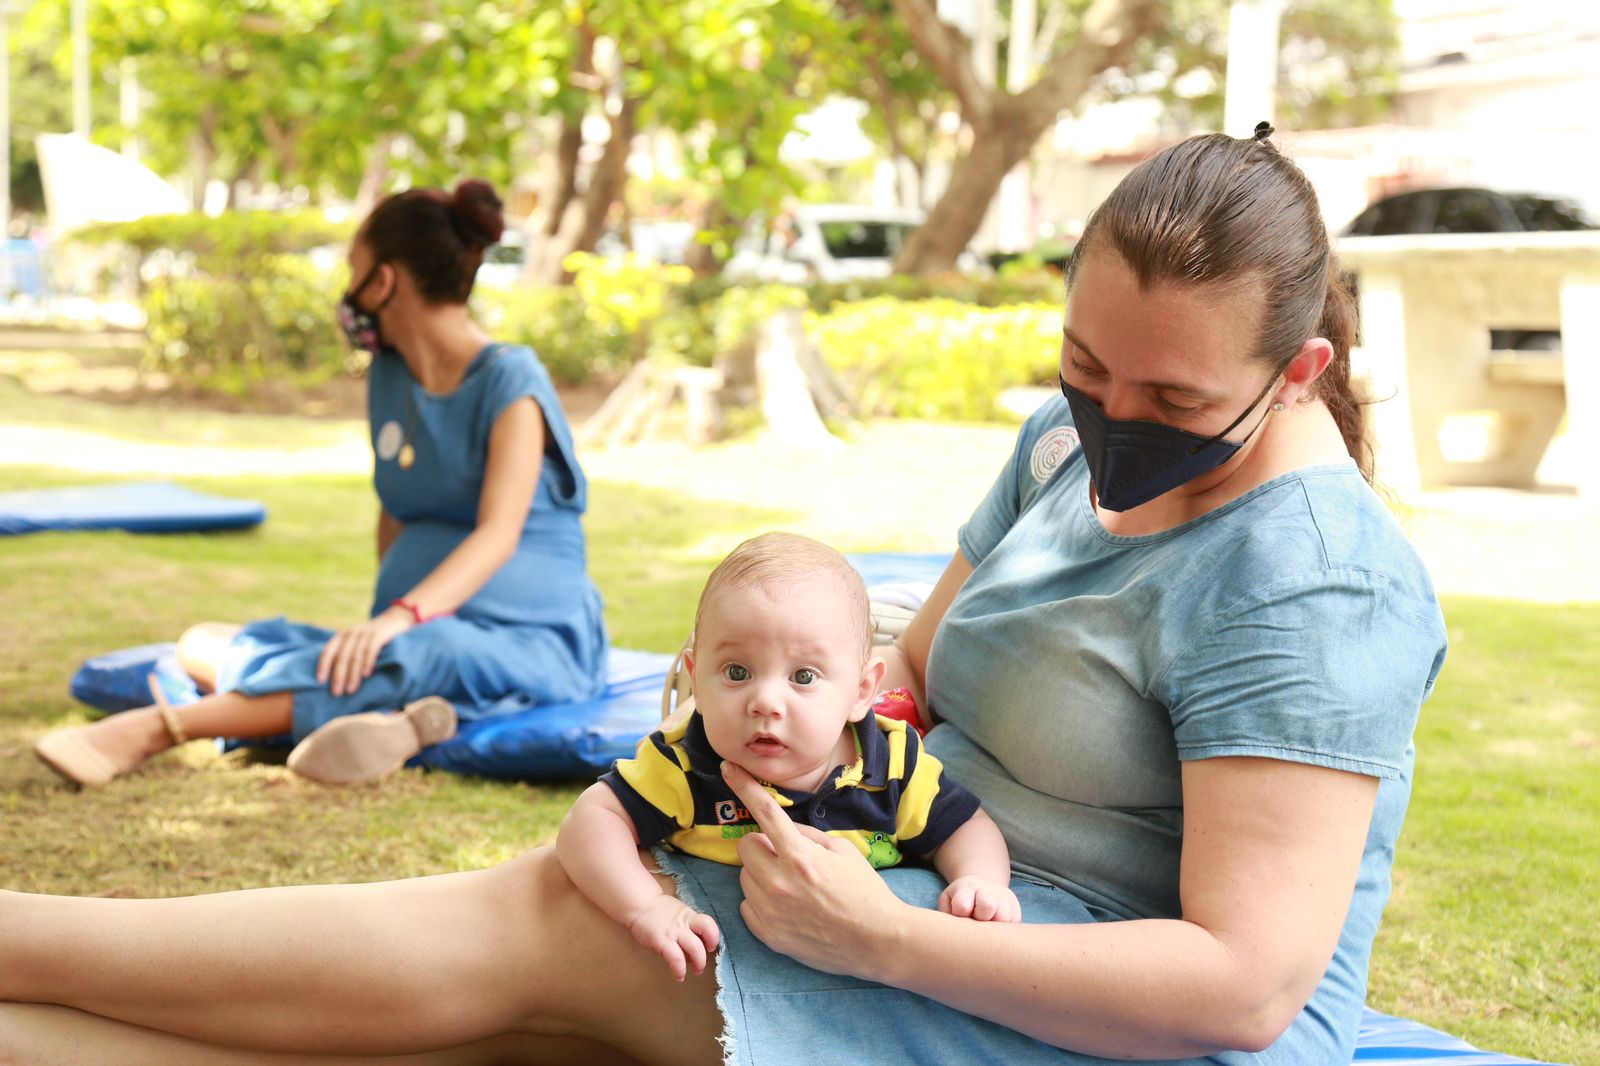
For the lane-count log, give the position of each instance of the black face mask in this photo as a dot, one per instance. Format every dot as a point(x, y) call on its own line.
point(361, 327)
point(1132, 461)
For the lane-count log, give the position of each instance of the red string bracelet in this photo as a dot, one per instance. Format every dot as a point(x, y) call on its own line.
point(416, 612)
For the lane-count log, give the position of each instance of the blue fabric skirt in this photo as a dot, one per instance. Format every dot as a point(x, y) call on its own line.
point(472, 664)
point(777, 1011)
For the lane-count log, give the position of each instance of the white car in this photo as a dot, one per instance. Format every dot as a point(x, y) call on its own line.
point(503, 262)
point(825, 242)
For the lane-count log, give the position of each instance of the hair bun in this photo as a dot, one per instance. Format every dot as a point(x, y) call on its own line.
point(479, 214)
point(1263, 131)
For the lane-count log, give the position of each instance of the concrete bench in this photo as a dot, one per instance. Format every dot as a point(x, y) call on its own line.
point(1455, 411)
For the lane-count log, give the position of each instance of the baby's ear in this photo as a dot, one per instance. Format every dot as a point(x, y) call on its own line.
point(688, 666)
point(871, 677)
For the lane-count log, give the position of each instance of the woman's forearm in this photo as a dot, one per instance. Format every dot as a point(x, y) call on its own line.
point(1130, 989)
point(463, 572)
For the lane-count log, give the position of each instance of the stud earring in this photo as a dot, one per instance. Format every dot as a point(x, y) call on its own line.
point(1277, 407)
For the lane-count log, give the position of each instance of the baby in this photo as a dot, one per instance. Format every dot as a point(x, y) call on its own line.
point(783, 680)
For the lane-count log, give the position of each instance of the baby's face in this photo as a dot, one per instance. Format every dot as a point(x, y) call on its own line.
point(778, 674)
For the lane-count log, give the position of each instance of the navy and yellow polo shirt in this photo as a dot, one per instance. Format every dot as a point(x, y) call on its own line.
point(894, 798)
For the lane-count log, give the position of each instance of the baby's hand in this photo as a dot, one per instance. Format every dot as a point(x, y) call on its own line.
point(981, 900)
point(678, 933)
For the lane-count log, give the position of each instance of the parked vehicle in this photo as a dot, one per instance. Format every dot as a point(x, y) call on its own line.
point(1466, 210)
point(664, 240)
point(1474, 210)
point(826, 242)
point(503, 262)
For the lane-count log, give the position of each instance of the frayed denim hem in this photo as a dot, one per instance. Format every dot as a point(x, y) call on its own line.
point(722, 970)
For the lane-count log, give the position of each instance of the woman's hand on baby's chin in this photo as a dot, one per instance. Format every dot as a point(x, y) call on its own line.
point(678, 933)
point(808, 895)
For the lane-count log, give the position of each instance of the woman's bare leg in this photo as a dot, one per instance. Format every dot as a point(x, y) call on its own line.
point(42, 1035)
point(129, 738)
point(200, 651)
point(382, 969)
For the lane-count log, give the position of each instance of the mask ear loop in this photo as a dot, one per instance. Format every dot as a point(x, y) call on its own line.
point(355, 293)
point(1231, 426)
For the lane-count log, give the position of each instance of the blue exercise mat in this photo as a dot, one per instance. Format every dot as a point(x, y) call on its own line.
point(893, 568)
point(519, 741)
point(1401, 1042)
point(515, 739)
point(138, 507)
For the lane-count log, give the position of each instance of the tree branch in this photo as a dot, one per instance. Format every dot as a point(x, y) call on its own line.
point(1110, 31)
point(948, 51)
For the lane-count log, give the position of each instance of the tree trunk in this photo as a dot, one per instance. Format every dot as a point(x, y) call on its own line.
point(1006, 126)
point(204, 152)
point(607, 180)
point(702, 257)
point(934, 245)
point(376, 176)
point(570, 143)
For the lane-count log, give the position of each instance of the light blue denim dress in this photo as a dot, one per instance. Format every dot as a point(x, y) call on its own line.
point(533, 629)
point(1073, 675)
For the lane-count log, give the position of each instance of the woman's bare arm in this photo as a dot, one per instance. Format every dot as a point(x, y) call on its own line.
point(907, 657)
point(510, 478)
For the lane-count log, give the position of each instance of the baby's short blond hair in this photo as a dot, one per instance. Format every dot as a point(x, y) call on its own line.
point(773, 557)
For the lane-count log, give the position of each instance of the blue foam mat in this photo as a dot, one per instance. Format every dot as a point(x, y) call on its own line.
point(518, 741)
point(138, 507)
point(513, 740)
point(1402, 1042)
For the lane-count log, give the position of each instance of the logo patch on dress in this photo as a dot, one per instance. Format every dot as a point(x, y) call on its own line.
point(1051, 451)
point(390, 437)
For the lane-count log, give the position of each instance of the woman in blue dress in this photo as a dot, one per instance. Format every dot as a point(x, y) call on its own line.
point(482, 588)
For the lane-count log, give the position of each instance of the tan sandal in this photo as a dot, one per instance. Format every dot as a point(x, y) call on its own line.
point(365, 747)
point(72, 757)
point(169, 717)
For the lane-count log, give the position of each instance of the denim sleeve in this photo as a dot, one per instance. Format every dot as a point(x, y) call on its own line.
point(1015, 487)
point(517, 372)
point(1328, 668)
point(653, 789)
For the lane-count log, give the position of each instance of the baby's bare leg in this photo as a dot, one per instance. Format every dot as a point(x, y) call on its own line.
point(382, 969)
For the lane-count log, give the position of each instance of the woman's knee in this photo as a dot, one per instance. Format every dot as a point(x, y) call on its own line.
point(200, 650)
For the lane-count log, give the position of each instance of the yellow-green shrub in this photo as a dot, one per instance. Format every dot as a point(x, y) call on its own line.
point(938, 358)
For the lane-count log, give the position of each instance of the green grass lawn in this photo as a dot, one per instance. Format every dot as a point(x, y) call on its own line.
point(1490, 935)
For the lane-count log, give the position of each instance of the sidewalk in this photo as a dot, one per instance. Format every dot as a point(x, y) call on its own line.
point(908, 485)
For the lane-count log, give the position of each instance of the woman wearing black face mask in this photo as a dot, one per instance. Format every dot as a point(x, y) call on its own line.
point(482, 590)
point(1179, 656)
